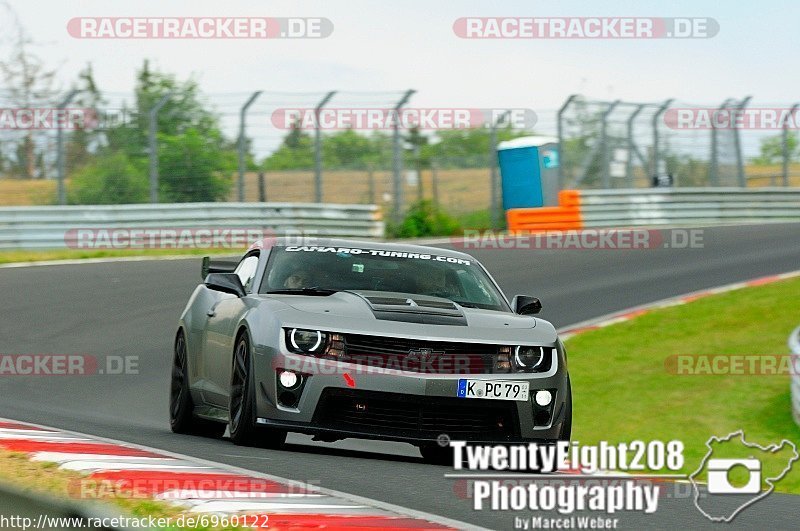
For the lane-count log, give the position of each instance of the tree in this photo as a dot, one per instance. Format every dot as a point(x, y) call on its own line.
point(29, 84)
point(772, 149)
point(85, 137)
point(112, 178)
point(295, 152)
point(194, 159)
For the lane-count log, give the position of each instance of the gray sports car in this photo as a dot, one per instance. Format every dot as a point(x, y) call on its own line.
point(370, 340)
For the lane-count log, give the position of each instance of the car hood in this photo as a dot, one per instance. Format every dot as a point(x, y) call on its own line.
point(404, 314)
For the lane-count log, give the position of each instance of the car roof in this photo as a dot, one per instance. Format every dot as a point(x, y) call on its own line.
point(316, 241)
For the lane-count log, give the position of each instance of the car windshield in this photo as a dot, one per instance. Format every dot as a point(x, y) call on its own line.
point(307, 270)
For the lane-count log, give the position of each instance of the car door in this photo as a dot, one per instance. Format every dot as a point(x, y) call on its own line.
point(223, 317)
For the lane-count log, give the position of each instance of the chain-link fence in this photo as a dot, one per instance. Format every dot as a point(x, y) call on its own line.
point(172, 143)
point(620, 144)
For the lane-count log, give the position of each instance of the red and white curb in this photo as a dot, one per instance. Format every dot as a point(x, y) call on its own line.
point(631, 313)
point(200, 487)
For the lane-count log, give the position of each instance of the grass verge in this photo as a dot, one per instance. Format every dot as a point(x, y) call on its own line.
point(7, 257)
point(43, 477)
point(623, 389)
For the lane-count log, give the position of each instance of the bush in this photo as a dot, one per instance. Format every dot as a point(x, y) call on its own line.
point(110, 179)
point(424, 218)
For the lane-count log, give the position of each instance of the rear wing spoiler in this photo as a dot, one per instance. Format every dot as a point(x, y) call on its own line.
point(217, 266)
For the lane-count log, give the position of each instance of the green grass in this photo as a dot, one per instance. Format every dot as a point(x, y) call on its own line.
point(18, 470)
point(7, 257)
point(623, 391)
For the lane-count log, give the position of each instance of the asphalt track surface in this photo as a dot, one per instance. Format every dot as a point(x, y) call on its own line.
point(131, 308)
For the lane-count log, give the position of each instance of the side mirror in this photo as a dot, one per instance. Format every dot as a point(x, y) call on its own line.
point(226, 283)
point(525, 305)
point(216, 266)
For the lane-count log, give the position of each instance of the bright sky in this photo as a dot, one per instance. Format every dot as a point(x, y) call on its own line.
point(391, 46)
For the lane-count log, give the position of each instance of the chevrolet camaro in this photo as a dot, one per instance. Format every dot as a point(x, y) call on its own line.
point(368, 340)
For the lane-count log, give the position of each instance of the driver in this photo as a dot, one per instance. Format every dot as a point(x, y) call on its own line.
point(434, 282)
point(298, 279)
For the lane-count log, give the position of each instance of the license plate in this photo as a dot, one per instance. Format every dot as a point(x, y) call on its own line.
point(493, 390)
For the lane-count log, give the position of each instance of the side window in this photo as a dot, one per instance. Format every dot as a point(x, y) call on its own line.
point(247, 270)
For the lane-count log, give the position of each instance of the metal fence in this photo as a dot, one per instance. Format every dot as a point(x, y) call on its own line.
point(621, 144)
point(579, 209)
point(162, 226)
point(395, 174)
point(604, 145)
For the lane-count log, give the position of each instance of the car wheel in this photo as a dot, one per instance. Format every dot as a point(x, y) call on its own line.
point(437, 455)
point(242, 408)
point(181, 408)
point(566, 428)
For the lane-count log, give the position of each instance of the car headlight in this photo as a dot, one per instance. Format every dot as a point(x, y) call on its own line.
point(528, 358)
point(306, 341)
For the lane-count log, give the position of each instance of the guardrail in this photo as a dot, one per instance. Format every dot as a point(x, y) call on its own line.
point(794, 345)
point(52, 227)
point(652, 207)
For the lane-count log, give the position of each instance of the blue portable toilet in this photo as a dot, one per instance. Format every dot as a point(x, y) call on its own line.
point(529, 171)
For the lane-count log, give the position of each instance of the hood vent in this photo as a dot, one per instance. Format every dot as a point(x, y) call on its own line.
point(388, 301)
point(411, 308)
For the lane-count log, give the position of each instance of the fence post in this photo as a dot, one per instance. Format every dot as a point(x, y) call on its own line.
point(318, 147)
point(262, 187)
point(242, 154)
point(435, 182)
point(371, 183)
point(606, 176)
point(785, 144)
point(153, 115)
point(737, 142)
point(631, 146)
point(714, 174)
point(397, 159)
point(560, 134)
point(656, 138)
point(60, 162)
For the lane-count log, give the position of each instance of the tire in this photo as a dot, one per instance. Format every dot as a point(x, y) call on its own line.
point(181, 407)
point(241, 408)
point(437, 455)
point(566, 428)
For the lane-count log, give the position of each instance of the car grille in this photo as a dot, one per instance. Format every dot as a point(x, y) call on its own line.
point(393, 414)
point(414, 355)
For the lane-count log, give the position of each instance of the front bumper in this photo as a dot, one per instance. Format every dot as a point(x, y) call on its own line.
point(341, 400)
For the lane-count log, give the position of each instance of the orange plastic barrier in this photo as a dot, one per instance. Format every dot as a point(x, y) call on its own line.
point(565, 216)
